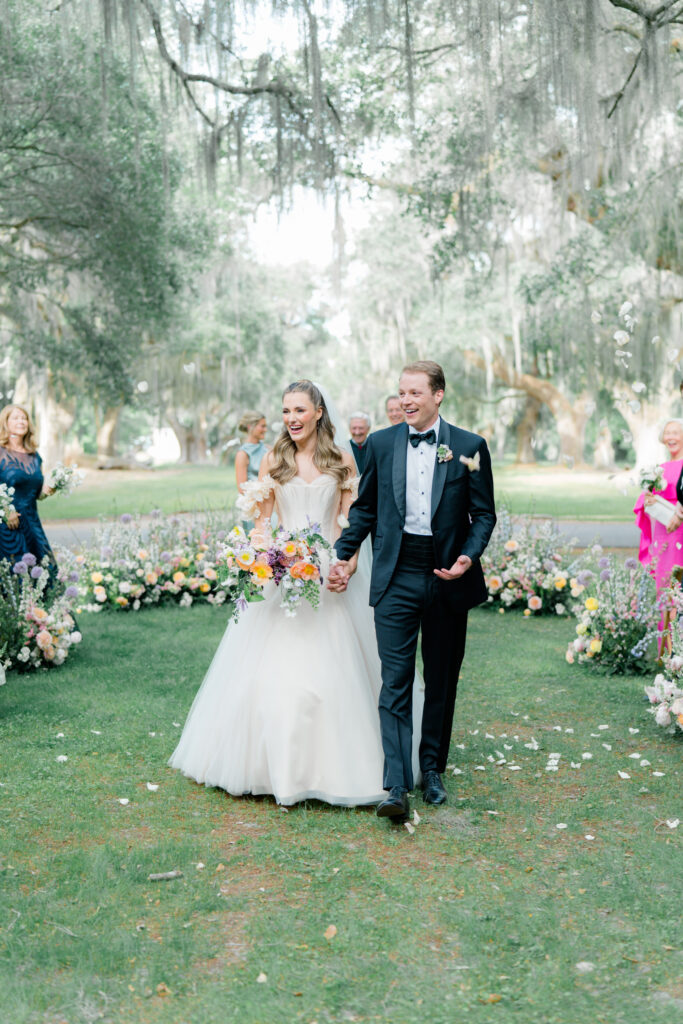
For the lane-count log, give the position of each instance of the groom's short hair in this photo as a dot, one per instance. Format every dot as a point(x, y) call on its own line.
point(435, 374)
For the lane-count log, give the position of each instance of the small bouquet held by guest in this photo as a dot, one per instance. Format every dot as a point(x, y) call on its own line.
point(292, 560)
point(7, 509)
point(64, 479)
point(652, 479)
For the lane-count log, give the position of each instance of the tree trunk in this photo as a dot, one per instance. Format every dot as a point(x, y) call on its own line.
point(571, 415)
point(526, 429)
point(52, 418)
point(106, 424)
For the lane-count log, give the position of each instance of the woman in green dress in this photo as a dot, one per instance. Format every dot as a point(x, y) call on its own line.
point(251, 451)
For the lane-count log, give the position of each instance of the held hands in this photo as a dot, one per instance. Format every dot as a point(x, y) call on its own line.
point(458, 569)
point(340, 573)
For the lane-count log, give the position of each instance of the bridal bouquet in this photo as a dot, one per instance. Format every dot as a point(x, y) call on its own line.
point(291, 559)
point(652, 479)
point(6, 506)
point(63, 479)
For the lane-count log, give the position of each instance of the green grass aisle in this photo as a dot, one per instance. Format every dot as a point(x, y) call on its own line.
point(483, 914)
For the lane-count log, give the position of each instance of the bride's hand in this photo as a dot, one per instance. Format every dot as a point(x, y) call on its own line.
point(340, 574)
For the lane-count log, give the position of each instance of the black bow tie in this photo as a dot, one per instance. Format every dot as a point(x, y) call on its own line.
point(429, 437)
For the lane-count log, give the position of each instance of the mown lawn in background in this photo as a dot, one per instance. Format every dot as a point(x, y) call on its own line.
point(549, 491)
point(483, 914)
point(112, 492)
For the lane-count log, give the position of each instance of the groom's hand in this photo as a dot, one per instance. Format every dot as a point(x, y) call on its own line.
point(458, 569)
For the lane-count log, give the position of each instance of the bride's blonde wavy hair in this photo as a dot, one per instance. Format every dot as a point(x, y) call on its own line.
point(328, 457)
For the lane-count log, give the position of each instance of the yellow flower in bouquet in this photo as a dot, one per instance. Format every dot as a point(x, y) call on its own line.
point(560, 583)
point(210, 574)
point(290, 549)
point(582, 629)
point(178, 577)
point(495, 583)
point(44, 639)
point(96, 577)
point(38, 614)
point(100, 594)
point(122, 601)
point(151, 578)
point(261, 572)
point(595, 646)
point(592, 604)
point(245, 558)
point(205, 588)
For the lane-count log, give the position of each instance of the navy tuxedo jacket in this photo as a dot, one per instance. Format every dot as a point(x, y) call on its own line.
point(463, 512)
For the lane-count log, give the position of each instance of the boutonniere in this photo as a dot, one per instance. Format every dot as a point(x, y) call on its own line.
point(443, 453)
point(472, 464)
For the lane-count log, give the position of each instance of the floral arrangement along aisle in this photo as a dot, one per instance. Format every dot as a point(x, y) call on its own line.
point(666, 693)
point(617, 613)
point(37, 628)
point(132, 564)
point(528, 564)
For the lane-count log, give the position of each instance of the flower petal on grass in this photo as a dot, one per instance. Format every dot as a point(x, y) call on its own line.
point(659, 775)
point(262, 978)
point(561, 824)
point(62, 758)
point(123, 800)
point(152, 787)
point(331, 930)
point(623, 775)
point(672, 822)
point(644, 763)
point(409, 828)
point(589, 837)
point(633, 731)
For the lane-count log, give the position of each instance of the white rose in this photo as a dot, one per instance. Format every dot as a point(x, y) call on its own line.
point(662, 715)
point(124, 587)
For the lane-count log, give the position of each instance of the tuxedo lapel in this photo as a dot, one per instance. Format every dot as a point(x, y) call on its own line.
point(398, 472)
point(440, 468)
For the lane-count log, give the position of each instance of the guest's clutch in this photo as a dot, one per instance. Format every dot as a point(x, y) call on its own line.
point(661, 510)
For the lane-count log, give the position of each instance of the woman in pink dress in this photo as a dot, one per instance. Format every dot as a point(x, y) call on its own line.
point(662, 546)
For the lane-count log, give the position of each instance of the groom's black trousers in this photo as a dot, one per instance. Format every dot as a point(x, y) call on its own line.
point(414, 601)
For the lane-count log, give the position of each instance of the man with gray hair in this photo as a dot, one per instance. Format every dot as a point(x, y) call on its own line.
point(359, 428)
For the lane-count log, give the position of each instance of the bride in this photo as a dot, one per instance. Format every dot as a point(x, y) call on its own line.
point(289, 706)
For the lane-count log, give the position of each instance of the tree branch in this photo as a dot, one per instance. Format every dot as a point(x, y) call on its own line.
point(621, 92)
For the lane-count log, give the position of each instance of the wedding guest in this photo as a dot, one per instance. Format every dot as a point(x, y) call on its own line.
point(251, 451)
point(393, 410)
point(359, 428)
point(662, 546)
point(21, 468)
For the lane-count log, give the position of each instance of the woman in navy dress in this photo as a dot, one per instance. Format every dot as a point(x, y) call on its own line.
point(21, 468)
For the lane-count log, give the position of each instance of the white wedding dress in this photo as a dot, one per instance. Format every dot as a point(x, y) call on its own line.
point(289, 705)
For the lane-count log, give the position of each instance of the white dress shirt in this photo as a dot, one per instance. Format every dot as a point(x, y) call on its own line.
point(420, 462)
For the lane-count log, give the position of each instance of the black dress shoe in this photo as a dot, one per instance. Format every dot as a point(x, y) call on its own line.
point(433, 788)
point(395, 806)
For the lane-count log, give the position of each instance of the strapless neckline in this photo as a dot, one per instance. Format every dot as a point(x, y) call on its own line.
point(309, 483)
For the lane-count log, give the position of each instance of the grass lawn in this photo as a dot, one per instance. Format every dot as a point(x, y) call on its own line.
point(481, 915)
point(564, 493)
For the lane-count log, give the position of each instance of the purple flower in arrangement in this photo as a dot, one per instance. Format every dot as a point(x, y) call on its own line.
point(584, 577)
point(29, 559)
point(106, 553)
point(155, 513)
point(165, 556)
point(73, 576)
point(71, 592)
point(36, 572)
point(20, 569)
point(241, 604)
point(631, 563)
point(126, 517)
point(605, 575)
point(603, 563)
point(220, 535)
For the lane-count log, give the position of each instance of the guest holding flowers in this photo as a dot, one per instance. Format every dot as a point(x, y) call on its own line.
point(252, 450)
point(661, 546)
point(21, 469)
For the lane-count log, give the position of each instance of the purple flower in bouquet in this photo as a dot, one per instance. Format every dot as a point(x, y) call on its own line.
point(126, 517)
point(20, 569)
point(71, 592)
point(29, 559)
point(241, 605)
point(36, 572)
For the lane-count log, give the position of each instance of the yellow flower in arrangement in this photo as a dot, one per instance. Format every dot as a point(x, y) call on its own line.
point(595, 646)
point(185, 562)
point(143, 555)
point(151, 578)
point(178, 577)
point(44, 639)
point(495, 583)
point(39, 614)
point(535, 603)
point(80, 559)
point(245, 558)
point(582, 629)
point(49, 653)
point(261, 572)
point(100, 594)
point(96, 577)
point(210, 574)
point(577, 590)
point(592, 604)
point(205, 588)
point(290, 549)
point(527, 612)
point(560, 583)
point(122, 601)
point(511, 545)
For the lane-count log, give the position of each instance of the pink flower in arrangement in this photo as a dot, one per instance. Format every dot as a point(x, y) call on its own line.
point(535, 603)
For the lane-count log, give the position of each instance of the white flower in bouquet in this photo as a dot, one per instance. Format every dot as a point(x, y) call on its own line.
point(652, 479)
point(63, 479)
point(6, 506)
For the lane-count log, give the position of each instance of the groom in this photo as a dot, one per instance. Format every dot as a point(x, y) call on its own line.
point(427, 491)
